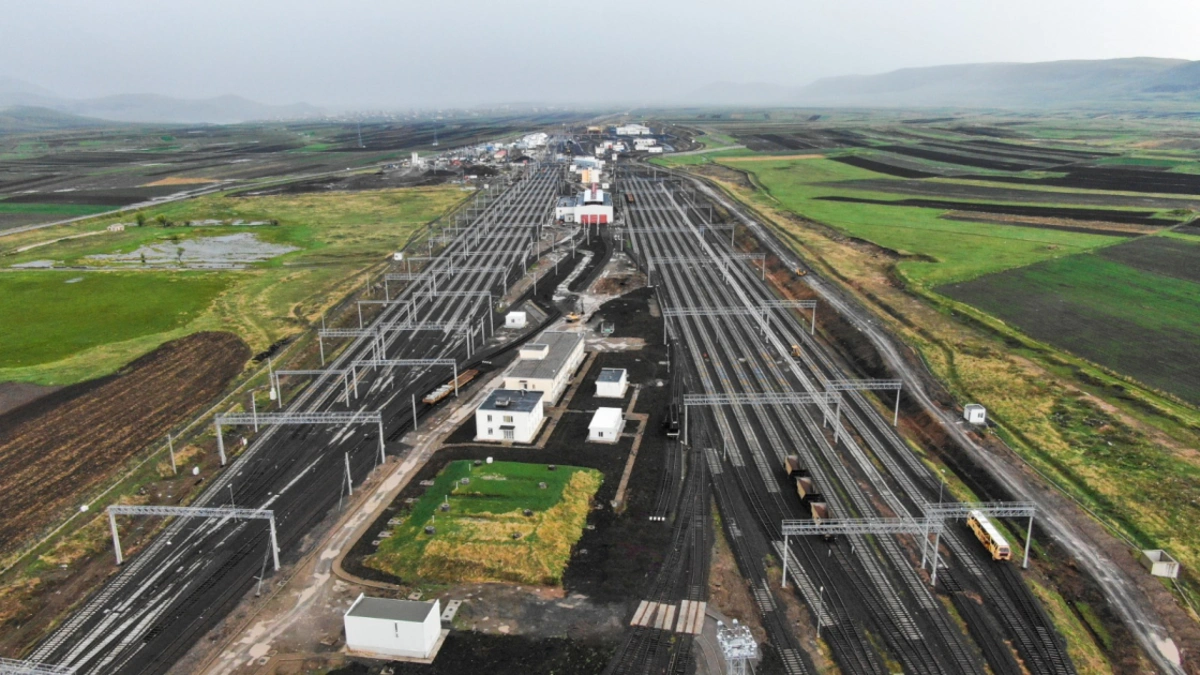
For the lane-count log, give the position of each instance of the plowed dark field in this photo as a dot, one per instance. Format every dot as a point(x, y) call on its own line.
point(1136, 217)
point(880, 167)
point(59, 447)
point(1169, 257)
point(962, 160)
point(1102, 178)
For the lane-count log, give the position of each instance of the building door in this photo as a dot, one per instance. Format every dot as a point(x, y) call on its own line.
point(508, 435)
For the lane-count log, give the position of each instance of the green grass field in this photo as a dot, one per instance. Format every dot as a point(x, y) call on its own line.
point(474, 543)
point(51, 318)
point(339, 234)
point(952, 251)
point(1133, 321)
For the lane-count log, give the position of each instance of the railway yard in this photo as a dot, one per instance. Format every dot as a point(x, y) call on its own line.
point(771, 465)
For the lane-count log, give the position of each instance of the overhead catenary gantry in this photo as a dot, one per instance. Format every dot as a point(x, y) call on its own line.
point(794, 304)
point(857, 526)
point(14, 667)
point(276, 374)
point(763, 398)
point(257, 418)
point(958, 510)
point(865, 385)
point(723, 259)
point(190, 512)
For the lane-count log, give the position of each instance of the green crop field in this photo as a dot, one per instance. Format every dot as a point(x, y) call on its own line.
point(64, 210)
point(1136, 322)
point(944, 250)
point(337, 234)
point(473, 541)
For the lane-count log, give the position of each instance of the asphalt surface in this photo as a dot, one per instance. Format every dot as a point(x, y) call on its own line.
point(183, 583)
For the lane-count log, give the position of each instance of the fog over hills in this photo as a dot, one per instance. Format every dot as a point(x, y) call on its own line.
point(150, 107)
point(1111, 82)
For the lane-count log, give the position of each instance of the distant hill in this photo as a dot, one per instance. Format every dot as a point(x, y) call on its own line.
point(31, 119)
point(1051, 84)
point(152, 107)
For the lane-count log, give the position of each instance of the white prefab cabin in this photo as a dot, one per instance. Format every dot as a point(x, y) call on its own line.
point(400, 628)
point(606, 425)
point(612, 383)
point(975, 413)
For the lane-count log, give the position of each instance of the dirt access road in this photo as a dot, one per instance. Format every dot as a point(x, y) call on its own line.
point(1092, 547)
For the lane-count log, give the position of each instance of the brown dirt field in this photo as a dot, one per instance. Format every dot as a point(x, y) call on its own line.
point(179, 180)
point(1095, 226)
point(770, 158)
point(61, 449)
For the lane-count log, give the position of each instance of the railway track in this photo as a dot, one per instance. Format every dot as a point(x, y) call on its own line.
point(891, 575)
point(1038, 644)
point(193, 573)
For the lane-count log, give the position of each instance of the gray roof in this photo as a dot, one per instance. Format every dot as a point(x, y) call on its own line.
point(611, 375)
point(561, 345)
point(391, 610)
point(519, 400)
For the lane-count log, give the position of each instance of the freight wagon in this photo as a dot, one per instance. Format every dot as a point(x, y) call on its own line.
point(446, 389)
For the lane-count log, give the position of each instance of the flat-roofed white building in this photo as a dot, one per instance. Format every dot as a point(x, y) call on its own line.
point(508, 415)
point(396, 628)
point(594, 207)
point(546, 364)
point(612, 383)
point(606, 425)
point(632, 130)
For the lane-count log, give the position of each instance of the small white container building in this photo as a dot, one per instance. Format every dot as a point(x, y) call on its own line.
point(1160, 563)
point(515, 320)
point(509, 415)
point(975, 413)
point(606, 425)
point(612, 383)
point(395, 628)
point(546, 365)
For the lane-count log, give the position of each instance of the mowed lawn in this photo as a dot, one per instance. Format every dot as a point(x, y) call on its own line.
point(951, 250)
point(1133, 321)
point(473, 541)
point(50, 315)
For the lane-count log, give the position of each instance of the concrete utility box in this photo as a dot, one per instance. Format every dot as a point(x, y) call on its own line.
point(612, 383)
point(398, 256)
point(398, 628)
point(1160, 564)
point(606, 425)
point(975, 413)
point(515, 320)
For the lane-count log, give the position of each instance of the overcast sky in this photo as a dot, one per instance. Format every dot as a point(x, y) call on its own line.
point(383, 53)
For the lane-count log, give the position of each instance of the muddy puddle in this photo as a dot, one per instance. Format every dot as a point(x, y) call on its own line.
point(221, 252)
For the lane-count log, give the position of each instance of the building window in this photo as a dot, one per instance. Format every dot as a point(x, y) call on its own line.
point(489, 418)
point(490, 431)
point(508, 419)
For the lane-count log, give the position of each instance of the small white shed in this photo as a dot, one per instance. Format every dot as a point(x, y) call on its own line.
point(1160, 563)
point(612, 383)
point(515, 320)
point(606, 425)
point(398, 628)
point(975, 413)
